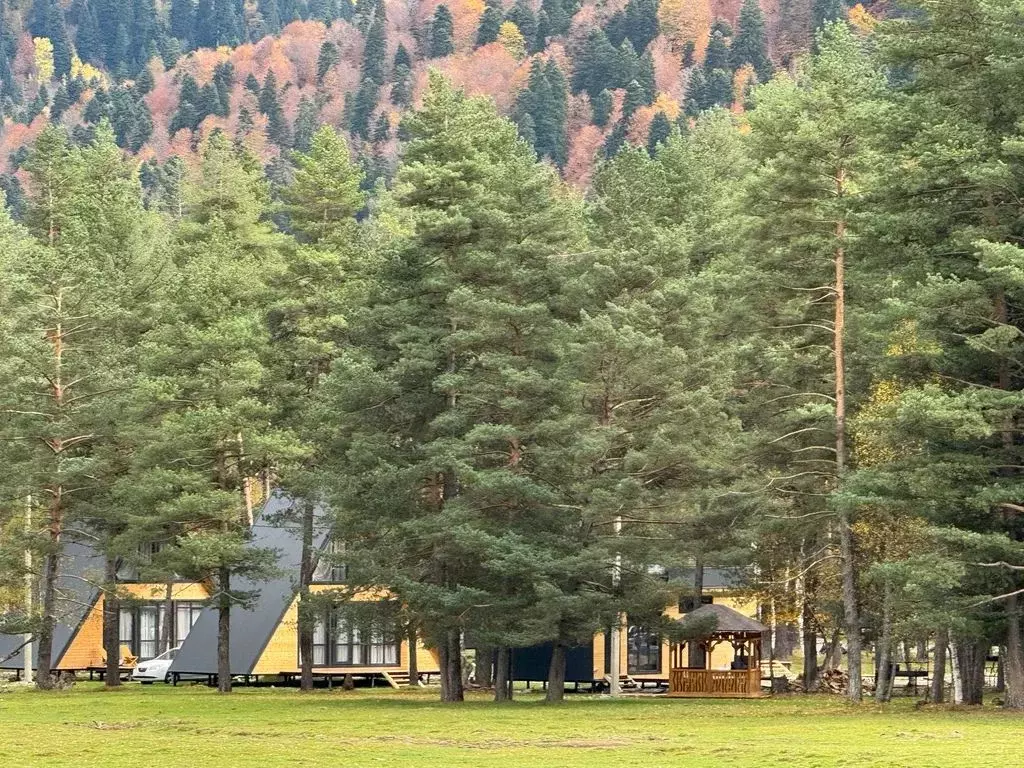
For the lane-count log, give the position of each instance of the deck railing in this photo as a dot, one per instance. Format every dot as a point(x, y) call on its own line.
point(714, 682)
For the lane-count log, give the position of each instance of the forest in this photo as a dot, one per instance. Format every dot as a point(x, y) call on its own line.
point(782, 336)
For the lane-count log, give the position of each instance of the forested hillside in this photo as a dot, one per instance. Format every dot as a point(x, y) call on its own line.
point(579, 77)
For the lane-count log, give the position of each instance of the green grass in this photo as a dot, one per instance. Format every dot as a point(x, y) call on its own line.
point(193, 726)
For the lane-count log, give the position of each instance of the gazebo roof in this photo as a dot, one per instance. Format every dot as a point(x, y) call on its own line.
point(727, 620)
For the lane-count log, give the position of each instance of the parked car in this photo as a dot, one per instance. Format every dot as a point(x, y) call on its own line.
point(152, 670)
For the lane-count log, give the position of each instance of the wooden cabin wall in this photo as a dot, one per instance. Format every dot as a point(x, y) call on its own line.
point(282, 651)
point(86, 649)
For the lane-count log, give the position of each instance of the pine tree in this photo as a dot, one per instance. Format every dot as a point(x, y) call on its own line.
point(559, 18)
point(361, 109)
point(490, 23)
point(819, 124)
point(658, 132)
point(213, 322)
point(595, 65)
point(750, 46)
point(635, 98)
point(60, 104)
point(474, 411)
point(268, 102)
point(521, 14)
point(86, 273)
point(717, 54)
point(88, 43)
point(442, 33)
point(381, 129)
point(627, 65)
point(375, 51)
point(309, 318)
point(641, 22)
point(402, 58)
point(270, 15)
point(305, 124)
point(327, 60)
point(645, 77)
point(602, 106)
point(401, 88)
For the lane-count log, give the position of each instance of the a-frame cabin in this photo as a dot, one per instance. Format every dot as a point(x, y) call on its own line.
point(264, 641)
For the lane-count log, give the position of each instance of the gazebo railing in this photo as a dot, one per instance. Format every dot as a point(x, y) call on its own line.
point(714, 682)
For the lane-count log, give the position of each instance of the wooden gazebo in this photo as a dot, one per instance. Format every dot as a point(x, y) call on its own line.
point(740, 678)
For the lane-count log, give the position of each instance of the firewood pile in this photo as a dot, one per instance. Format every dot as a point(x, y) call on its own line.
point(830, 681)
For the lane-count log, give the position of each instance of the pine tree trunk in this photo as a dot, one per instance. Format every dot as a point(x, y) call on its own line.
point(450, 657)
point(851, 612)
point(224, 632)
point(556, 673)
point(485, 666)
point(44, 675)
point(1013, 657)
point(111, 624)
point(697, 657)
point(167, 630)
point(306, 617)
point(810, 645)
point(971, 663)
point(502, 683)
point(883, 671)
point(414, 662)
point(938, 687)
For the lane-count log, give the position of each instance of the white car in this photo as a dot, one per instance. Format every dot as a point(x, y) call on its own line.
point(152, 670)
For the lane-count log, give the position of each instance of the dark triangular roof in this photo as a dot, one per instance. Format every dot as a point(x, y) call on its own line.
point(726, 619)
point(81, 567)
point(251, 630)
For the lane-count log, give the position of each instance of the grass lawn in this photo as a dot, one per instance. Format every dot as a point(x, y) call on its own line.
point(193, 726)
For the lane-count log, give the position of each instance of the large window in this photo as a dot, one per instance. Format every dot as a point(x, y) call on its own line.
point(141, 626)
point(338, 641)
point(643, 651)
point(329, 567)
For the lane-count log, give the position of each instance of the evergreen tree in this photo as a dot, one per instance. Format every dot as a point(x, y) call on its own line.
point(270, 16)
point(717, 54)
point(88, 42)
point(521, 14)
point(327, 60)
point(268, 102)
point(375, 51)
point(750, 46)
point(308, 323)
point(401, 88)
point(442, 33)
point(595, 65)
point(627, 65)
point(213, 321)
point(825, 11)
point(490, 23)
point(305, 124)
point(402, 58)
point(323, 10)
point(641, 22)
point(85, 271)
point(541, 109)
point(381, 129)
point(361, 109)
point(658, 132)
point(635, 98)
point(645, 77)
point(60, 104)
point(466, 436)
point(602, 106)
point(559, 18)
point(819, 124)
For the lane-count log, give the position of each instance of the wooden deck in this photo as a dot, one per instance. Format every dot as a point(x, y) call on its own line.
point(715, 683)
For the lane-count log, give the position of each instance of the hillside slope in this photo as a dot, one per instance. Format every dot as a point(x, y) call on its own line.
point(579, 78)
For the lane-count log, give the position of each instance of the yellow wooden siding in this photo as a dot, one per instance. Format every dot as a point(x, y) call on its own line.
point(282, 651)
point(86, 649)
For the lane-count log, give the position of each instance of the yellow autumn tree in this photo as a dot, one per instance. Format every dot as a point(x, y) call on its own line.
point(86, 71)
point(512, 40)
point(43, 57)
point(687, 20)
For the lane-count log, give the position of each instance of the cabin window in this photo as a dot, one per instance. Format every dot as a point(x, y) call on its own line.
point(643, 651)
point(141, 625)
point(329, 568)
point(688, 603)
point(338, 641)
